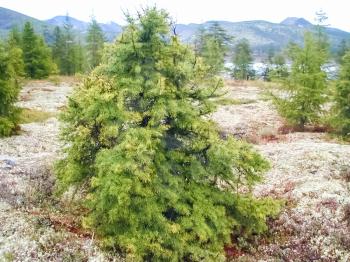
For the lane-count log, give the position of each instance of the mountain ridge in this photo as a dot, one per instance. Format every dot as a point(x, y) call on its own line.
point(296, 21)
point(261, 34)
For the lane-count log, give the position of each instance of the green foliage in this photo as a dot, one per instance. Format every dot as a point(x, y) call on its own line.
point(68, 56)
point(95, 41)
point(15, 52)
point(278, 69)
point(220, 34)
point(36, 54)
point(341, 109)
point(67, 51)
point(58, 47)
point(79, 58)
point(161, 184)
point(342, 49)
point(242, 61)
point(213, 55)
point(9, 89)
point(268, 64)
point(212, 45)
point(15, 37)
point(321, 36)
point(304, 90)
point(229, 101)
point(199, 40)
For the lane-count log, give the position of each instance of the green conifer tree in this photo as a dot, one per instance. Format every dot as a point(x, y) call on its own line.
point(341, 107)
point(69, 50)
point(304, 89)
point(95, 40)
point(43, 63)
point(268, 63)
point(242, 61)
point(213, 55)
point(217, 32)
point(321, 35)
point(80, 63)
point(29, 40)
point(68, 58)
point(342, 49)
point(212, 45)
point(9, 89)
point(15, 52)
point(278, 69)
point(162, 184)
point(199, 40)
point(36, 54)
point(15, 36)
point(58, 47)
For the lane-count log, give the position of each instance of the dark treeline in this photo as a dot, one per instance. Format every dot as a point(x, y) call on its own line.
point(29, 56)
point(25, 54)
point(66, 54)
point(305, 88)
point(236, 58)
point(69, 52)
point(302, 72)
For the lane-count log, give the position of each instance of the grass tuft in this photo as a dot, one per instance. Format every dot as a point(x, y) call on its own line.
point(230, 101)
point(33, 115)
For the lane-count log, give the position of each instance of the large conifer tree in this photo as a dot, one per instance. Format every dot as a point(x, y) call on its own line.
point(58, 48)
point(68, 58)
point(305, 87)
point(9, 89)
point(15, 52)
point(342, 99)
point(162, 185)
point(242, 60)
point(36, 54)
point(68, 52)
point(95, 40)
point(212, 45)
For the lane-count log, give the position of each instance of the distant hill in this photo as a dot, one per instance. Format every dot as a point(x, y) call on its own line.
point(61, 20)
point(10, 18)
point(262, 35)
point(296, 21)
point(111, 29)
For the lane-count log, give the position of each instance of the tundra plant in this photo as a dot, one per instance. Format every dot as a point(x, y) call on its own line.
point(304, 90)
point(341, 107)
point(161, 184)
point(9, 89)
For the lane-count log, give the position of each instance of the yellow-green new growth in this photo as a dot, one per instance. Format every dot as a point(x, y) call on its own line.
point(162, 184)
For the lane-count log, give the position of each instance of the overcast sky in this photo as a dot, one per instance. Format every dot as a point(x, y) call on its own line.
point(187, 11)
